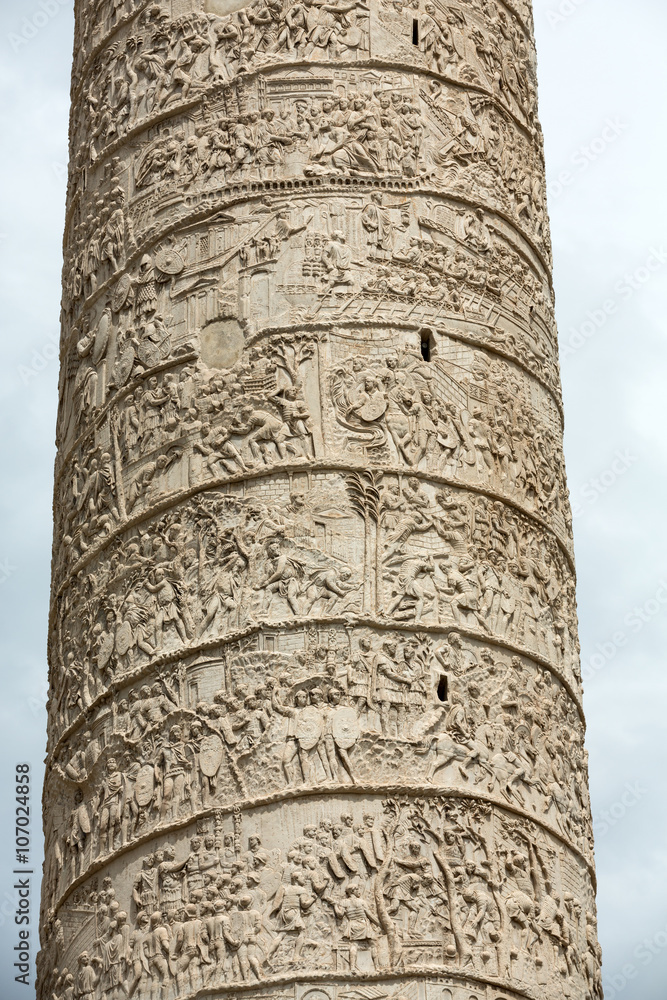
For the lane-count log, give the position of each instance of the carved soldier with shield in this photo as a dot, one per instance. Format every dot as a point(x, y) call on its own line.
point(304, 730)
point(106, 646)
point(79, 833)
point(210, 754)
point(174, 768)
point(145, 792)
point(341, 731)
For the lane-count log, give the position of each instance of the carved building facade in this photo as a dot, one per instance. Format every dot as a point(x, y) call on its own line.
point(315, 721)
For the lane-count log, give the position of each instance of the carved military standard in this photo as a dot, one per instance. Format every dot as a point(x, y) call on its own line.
point(315, 721)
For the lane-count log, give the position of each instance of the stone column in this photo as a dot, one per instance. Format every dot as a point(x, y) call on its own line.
point(315, 726)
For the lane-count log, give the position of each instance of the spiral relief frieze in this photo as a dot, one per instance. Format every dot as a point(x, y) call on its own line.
point(315, 715)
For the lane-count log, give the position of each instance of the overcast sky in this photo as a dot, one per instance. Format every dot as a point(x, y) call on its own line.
point(603, 107)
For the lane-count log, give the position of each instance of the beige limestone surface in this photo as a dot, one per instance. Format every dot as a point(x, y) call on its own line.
point(315, 722)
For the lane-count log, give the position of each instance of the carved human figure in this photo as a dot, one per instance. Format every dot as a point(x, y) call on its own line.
point(294, 751)
point(174, 768)
point(109, 806)
point(359, 924)
point(292, 903)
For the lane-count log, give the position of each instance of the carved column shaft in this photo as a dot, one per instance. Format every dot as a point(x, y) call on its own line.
point(315, 725)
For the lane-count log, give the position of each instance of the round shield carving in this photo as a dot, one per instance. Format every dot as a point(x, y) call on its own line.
point(345, 727)
point(210, 755)
point(101, 338)
point(148, 353)
point(124, 638)
point(169, 262)
point(373, 409)
point(144, 786)
point(105, 652)
point(121, 292)
point(123, 367)
point(309, 727)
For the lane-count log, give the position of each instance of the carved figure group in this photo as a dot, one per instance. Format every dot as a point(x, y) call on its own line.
point(417, 885)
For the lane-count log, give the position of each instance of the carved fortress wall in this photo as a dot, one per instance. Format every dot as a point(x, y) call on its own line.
point(315, 722)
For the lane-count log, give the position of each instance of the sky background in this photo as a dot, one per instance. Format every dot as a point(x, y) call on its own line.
point(603, 107)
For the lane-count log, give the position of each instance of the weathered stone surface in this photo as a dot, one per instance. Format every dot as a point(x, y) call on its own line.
point(315, 727)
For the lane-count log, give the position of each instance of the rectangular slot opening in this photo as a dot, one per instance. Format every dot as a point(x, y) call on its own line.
point(426, 349)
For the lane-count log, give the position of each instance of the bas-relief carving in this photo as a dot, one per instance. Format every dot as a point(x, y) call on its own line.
point(336, 707)
point(362, 260)
point(369, 123)
point(483, 45)
point(394, 885)
point(372, 128)
point(395, 550)
point(315, 718)
point(178, 422)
